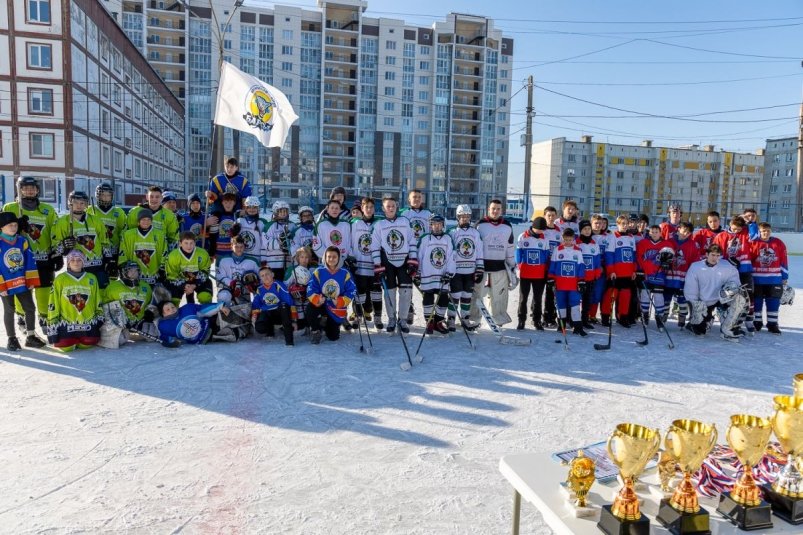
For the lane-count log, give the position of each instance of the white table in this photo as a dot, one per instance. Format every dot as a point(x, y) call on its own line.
point(536, 477)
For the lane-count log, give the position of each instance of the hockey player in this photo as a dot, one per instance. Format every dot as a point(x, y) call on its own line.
point(146, 246)
point(251, 228)
point(620, 268)
point(230, 181)
point(369, 288)
point(337, 194)
point(356, 210)
point(532, 256)
point(751, 218)
point(296, 279)
point(74, 317)
point(436, 268)
point(194, 220)
point(552, 234)
point(567, 275)
point(226, 229)
point(163, 220)
point(18, 276)
point(35, 222)
point(190, 324)
point(469, 268)
point(86, 233)
point(568, 218)
point(592, 256)
point(654, 257)
point(135, 297)
point(113, 219)
point(418, 216)
point(603, 237)
point(737, 249)
point(331, 231)
point(393, 251)
point(705, 236)
point(302, 235)
point(273, 305)
point(498, 258)
point(705, 282)
point(669, 228)
point(330, 290)
point(237, 275)
point(187, 271)
point(276, 240)
point(770, 275)
point(687, 252)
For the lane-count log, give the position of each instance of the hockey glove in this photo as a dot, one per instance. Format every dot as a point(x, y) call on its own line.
point(581, 286)
point(23, 225)
point(149, 316)
point(57, 262)
point(412, 267)
point(550, 283)
point(639, 277)
point(111, 269)
point(379, 272)
point(234, 288)
point(68, 244)
point(351, 264)
point(478, 275)
point(235, 230)
point(446, 278)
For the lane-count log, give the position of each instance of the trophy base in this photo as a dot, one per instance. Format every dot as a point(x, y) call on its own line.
point(589, 511)
point(612, 525)
point(683, 523)
point(745, 517)
point(784, 507)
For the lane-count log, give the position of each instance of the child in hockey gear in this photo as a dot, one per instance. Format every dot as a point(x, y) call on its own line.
point(35, 222)
point(620, 267)
point(230, 181)
point(194, 220)
point(302, 235)
point(226, 229)
point(250, 227)
point(190, 324)
point(552, 234)
point(338, 194)
point(393, 251)
point(737, 248)
point(704, 281)
point(236, 276)
point(654, 257)
point(276, 240)
point(669, 229)
point(330, 290)
point(170, 203)
point(18, 276)
point(592, 256)
point(135, 296)
point(469, 268)
point(567, 274)
point(498, 257)
point(162, 219)
point(532, 256)
point(187, 271)
point(113, 219)
point(74, 316)
point(601, 235)
point(687, 252)
point(83, 232)
point(146, 246)
point(751, 218)
point(273, 305)
point(418, 216)
point(770, 274)
point(296, 279)
point(369, 289)
point(331, 231)
point(356, 210)
point(437, 267)
point(705, 236)
point(568, 218)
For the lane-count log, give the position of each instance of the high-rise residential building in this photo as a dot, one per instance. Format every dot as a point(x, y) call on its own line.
point(384, 106)
point(614, 179)
point(80, 105)
point(781, 190)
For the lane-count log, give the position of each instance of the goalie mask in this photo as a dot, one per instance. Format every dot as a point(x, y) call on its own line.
point(666, 256)
point(129, 273)
point(729, 291)
point(302, 275)
point(788, 295)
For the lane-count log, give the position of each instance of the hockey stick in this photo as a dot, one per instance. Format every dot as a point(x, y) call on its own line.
point(661, 327)
point(404, 365)
point(420, 358)
point(456, 305)
point(370, 349)
point(607, 347)
point(644, 326)
point(561, 324)
point(503, 339)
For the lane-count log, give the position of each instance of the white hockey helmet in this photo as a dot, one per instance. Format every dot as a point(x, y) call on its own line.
point(788, 295)
point(728, 291)
point(252, 200)
point(279, 205)
point(463, 209)
point(302, 275)
point(304, 209)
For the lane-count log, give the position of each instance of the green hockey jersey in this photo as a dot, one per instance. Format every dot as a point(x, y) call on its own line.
point(147, 249)
point(134, 300)
point(41, 221)
point(90, 234)
point(181, 269)
point(74, 305)
point(115, 222)
point(163, 220)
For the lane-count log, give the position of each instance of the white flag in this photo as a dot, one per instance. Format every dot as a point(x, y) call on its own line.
point(250, 105)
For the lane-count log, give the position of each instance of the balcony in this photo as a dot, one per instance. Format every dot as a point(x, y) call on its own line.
point(157, 40)
point(463, 55)
point(466, 101)
point(473, 131)
point(340, 58)
point(164, 5)
point(167, 59)
point(343, 105)
point(465, 116)
point(343, 24)
point(330, 72)
point(461, 145)
point(467, 71)
point(462, 86)
point(154, 22)
point(337, 41)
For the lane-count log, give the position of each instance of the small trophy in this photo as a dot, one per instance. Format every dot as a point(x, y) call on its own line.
point(581, 477)
point(667, 467)
point(688, 442)
point(786, 494)
point(748, 436)
point(630, 447)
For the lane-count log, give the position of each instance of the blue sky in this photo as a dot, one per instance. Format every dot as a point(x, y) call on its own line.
point(694, 57)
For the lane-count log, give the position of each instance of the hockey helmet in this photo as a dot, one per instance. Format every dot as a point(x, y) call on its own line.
point(304, 209)
point(192, 197)
point(251, 280)
point(252, 200)
point(280, 205)
point(728, 291)
point(129, 272)
point(788, 295)
point(436, 218)
point(104, 187)
point(665, 256)
point(28, 181)
point(302, 275)
point(463, 209)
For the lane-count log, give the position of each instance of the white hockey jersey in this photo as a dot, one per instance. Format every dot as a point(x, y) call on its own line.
point(251, 231)
point(467, 249)
point(361, 235)
point(394, 237)
point(419, 220)
point(233, 268)
point(435, 257)
point(302, 236)
point(329, 233)
point(275, 241)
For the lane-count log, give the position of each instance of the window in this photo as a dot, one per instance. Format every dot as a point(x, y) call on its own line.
point(38, 11)
point(390, 91)
point(287, 35)
point(40, 101)
point(423, 95)
point(775, 172)
point(423, 80)
point(287, 50)
point(104, 121)
point(424, 65)
point(287, 66)
point(40, 56)
point(389, 75)
point(105, 158)
point(118, 161)
point(287, 82)
point(503, 88)
point(388, 121)
point(789, 172)
point(424, 50)
point(42, 145)
point(390, 60)
point(118, 128)
point(787, 188)
point(390, 106)
point(390, 45)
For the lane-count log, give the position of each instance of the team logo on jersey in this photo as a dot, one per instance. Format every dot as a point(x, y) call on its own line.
point(465, 248)
point(567, 270)
point(395, 240)
point(249, 239)
point(35, 231)
point(733, 246)
point(437, 257)
point(191, 277)
point(331, 289)
point(270, 299)
point(418, 227)
point(560, 256)
point(766, 257)
point(627, 255)
point(225, 226)
point(260, 107)
point(680, 258)
point(619, 243)
point(109, 231)
point(189, 328)
point(195, 228)
point(144, 256)
point(364, 244)
point(336, 238)
point(78, 300)
point(87, 241)
point(13, 259)
point(134, 306)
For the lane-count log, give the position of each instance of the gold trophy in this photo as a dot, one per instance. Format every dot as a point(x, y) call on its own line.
point(630, 447)
point(667, 466)
point(748, 436)
point(798, 385)
point(582, 474)
point(688, 442)
point(786, 494)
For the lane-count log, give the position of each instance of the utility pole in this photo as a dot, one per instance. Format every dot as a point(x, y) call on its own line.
point(799, 200)
point(528, 148)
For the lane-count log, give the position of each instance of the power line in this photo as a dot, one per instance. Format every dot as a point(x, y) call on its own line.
point(652, 84)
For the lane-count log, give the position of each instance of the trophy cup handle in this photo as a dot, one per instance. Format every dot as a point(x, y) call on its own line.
point(608, 445)
point(657, 444)
point(714, 437)
point(668, 439)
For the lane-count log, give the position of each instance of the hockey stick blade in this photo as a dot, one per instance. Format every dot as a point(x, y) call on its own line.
point(405, 366)
point(602, 347)
point(513, 341)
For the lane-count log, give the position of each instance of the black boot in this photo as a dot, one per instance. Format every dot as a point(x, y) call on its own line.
point(606, 320)
point(13, 344)
point(758, 325)
point(34, 341)
point(520, 326)
point(578, 329)
point(773, 328)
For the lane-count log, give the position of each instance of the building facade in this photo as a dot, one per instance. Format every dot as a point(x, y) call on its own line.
point(383, 106)
point(79, 105)
point(781, 187)
point(614, 179)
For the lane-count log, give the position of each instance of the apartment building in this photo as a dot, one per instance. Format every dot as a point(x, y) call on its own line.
point(80, 105)
point(781, 189)
point(613, 179)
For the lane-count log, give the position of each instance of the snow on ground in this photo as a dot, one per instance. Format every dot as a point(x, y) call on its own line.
point(255, 438)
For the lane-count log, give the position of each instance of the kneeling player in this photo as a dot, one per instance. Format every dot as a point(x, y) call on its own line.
point(74, 316)
point(127, 304)
point(330, 290)
point(187, 271)
point(272, 306)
